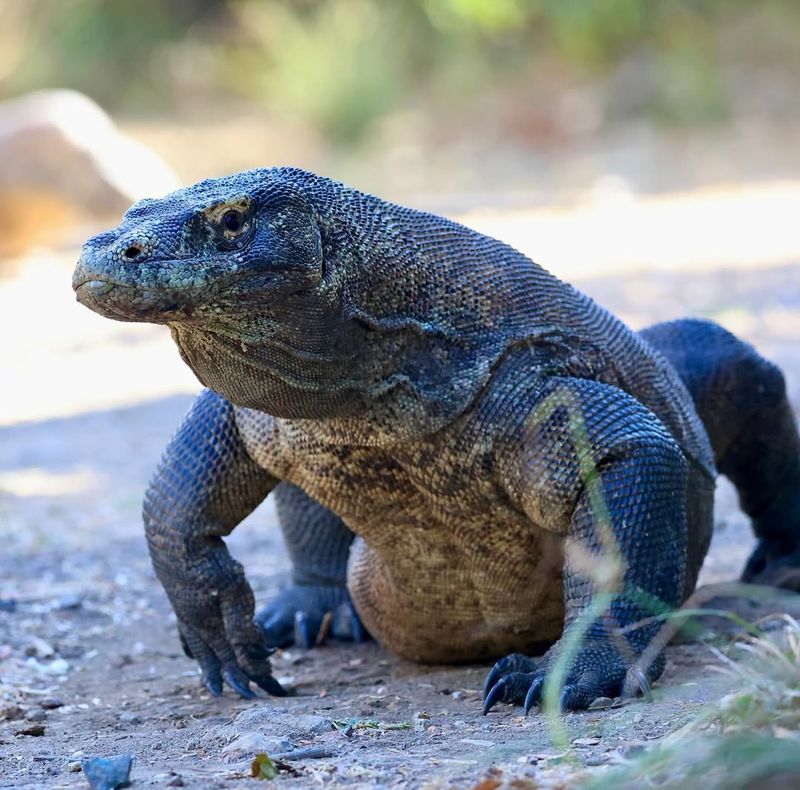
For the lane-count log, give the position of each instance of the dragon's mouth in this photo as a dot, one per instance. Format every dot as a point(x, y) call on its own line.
point(94, 287)
point(123, 302)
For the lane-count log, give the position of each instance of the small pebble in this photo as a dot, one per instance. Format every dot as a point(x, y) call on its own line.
point(601, 703)
point(68, 601)
point(39, 648)
point(50, 703)
point(55, 667)
point(35, 730)
point(74, 767)
point(477, 742)
point(10, 711)
point(176, 782)
point(37, 714)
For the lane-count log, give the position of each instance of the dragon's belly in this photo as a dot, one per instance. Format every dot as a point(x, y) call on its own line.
point(493, 591)
point(445, 569)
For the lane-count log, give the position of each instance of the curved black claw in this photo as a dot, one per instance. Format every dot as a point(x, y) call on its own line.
point(635, 682)
point(213, 684)
point(242, 662)
point(510, 688)
point(497, 693)
point(514, 662)
point(238, 681)
point(271, 686)
point(576, 697)
point(534, 695)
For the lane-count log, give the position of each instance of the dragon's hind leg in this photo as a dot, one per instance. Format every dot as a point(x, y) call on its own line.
point(317, 600)
point(741, 399)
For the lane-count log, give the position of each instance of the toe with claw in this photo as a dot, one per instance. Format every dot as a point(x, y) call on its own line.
point(597, 670)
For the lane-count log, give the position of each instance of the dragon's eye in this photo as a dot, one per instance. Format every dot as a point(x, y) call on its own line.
point(232, 220)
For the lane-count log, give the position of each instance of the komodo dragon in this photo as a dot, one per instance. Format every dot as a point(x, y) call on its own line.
point(488, 433)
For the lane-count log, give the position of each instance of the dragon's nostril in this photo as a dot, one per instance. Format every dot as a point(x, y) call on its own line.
point(132, 252)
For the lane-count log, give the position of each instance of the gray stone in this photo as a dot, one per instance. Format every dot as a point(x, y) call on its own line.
point(274, 723)
point(68, 601)
point(108, 774)
point(249, 744)
point(10, 711)
point(601, 703)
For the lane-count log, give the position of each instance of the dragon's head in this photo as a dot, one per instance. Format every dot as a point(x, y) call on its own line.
point(201, 255)
point(236, 267)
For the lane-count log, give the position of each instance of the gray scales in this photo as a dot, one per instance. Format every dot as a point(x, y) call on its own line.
point(454, 437)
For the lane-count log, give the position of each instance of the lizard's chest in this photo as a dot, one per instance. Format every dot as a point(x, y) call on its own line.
point(419, 487)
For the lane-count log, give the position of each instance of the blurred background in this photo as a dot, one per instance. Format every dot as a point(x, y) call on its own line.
point(478, 94)
point(645, 149)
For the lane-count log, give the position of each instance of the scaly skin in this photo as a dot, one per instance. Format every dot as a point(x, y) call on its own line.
point(490, 436)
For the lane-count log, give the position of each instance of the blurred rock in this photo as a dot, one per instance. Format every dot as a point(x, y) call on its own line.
point(274, 724)
point(10, 711)
point(63, 162)
point(68, 601)
point(55, 667)
point(34, 730)
point(249, 744)
point(39, 648)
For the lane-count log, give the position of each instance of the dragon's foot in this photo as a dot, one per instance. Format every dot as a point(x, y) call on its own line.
point(773, 565)
point(775, 561)
point(305, 615)
point(597, 670)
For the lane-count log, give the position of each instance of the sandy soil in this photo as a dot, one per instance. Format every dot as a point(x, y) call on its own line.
point(89, 660)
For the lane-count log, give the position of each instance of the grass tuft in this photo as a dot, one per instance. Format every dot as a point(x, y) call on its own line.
point(749, 739)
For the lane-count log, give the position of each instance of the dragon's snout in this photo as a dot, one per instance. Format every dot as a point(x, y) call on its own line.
point(94, 288)
point(88, 282)
point(104, 288)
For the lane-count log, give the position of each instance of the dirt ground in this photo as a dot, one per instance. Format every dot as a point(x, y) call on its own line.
point(89, 659)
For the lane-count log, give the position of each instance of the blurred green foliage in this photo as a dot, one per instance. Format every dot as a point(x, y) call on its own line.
point(342, 64)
